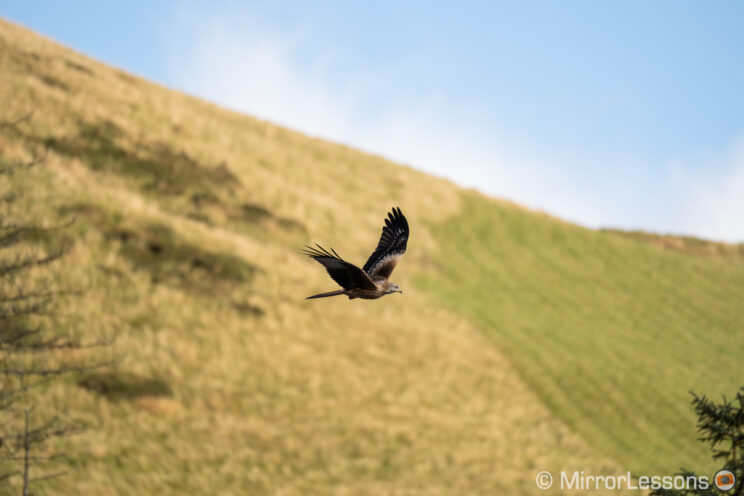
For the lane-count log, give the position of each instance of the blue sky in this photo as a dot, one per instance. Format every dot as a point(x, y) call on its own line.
point(626, 114)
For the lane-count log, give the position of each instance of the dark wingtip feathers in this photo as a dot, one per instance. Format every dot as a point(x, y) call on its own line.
point(319, 252)
point(396, 216)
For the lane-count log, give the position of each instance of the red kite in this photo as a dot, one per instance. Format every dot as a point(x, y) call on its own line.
point(371, 281)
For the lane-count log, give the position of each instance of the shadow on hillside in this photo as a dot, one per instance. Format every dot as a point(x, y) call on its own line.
point(105, 147)
point(116, 386)
point(173, 261)
point(37, 65)
point(213, 191)
point(167, 257)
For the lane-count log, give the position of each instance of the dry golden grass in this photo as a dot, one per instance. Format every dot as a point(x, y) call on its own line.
point(263, 392)
point(189, 222)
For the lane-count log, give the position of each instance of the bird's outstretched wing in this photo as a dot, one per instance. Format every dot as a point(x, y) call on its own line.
point(345, 274)
point(391, 247)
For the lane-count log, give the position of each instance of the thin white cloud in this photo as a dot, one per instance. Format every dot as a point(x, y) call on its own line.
point(227, 57)
point(234, 64)
point(711, 194)
point(228, 60)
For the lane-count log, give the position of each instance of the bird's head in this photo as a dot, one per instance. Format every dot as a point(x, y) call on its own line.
point(394, 288)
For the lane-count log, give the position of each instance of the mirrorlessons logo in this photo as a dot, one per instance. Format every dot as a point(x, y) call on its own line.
point(578, 480)
point(725, 480)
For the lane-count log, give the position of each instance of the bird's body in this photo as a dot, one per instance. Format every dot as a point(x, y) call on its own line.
point(371, 281)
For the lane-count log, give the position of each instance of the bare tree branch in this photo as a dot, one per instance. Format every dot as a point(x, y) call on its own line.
point(33, 346)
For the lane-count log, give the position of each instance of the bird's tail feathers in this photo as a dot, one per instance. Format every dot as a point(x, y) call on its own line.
point(323, 295)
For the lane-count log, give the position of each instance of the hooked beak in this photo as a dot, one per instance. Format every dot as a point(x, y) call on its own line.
point(400, 291)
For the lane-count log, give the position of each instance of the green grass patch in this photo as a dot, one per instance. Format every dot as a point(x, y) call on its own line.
point(611, 332)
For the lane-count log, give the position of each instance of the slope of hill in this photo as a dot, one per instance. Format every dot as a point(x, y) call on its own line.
point(521, 343)
point(611, 332)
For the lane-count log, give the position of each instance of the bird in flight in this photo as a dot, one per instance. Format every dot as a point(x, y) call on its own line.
point(371, 281)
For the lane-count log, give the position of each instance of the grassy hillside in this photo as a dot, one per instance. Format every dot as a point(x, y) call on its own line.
point(612, 333)
point(521, 343)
